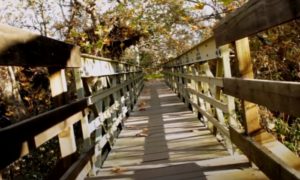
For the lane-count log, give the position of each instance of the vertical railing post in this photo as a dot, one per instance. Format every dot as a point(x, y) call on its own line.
point(58, 84)
point(250, 111)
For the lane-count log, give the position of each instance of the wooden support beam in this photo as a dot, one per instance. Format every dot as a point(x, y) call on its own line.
point(255, 16)
point(23, 48)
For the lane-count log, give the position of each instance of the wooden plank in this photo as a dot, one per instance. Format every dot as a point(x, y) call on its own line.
point(211, 80)
point(67, 141)
point(56, 129)
point(220, 114)
point(244, 174)
point(88, 56)
point(85, 113)
point(276, 95)
point(23, 48)
point(104, 93)
point(84, 172)
point(255, 16)
point(213, 120)
point(267, 161)
point(210, 100)
point(184, 142)
point(242, 50)
point(66, 138)
point(76, 167)
point(250, 116)
point(14, 135)
point(202, 52)
point(225, 53)
point(90, 68)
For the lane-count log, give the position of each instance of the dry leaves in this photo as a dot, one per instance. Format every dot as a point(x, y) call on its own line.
point(142, 105)
point(118, 170)
point(143, 133)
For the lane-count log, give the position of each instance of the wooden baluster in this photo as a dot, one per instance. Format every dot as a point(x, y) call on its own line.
point(58, 84)
point(250, 111)
point(220, 115)
point(126, 105)
point(90, 168)
point(115, 108)
point(206, 89)
point(200, 89)
point(80, 94)
point(225, 54)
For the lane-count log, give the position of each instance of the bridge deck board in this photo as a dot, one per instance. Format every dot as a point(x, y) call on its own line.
point(162, 139)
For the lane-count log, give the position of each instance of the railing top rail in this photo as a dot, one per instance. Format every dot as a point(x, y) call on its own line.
point(23, 48)
point(107, 59)
point(254, 17)
point(208, 43)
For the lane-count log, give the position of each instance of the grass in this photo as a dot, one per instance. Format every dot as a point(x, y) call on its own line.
point(153, 76)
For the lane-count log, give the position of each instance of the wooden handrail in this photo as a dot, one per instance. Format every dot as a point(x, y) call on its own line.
point(254, 17)
point(23, 48)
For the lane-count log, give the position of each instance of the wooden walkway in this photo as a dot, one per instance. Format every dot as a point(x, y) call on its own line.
point(162, 139)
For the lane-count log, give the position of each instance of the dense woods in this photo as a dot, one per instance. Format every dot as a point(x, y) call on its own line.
point(147, 33)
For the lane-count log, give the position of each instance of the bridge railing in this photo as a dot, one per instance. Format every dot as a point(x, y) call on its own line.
point(202, 78)
point(106, 91)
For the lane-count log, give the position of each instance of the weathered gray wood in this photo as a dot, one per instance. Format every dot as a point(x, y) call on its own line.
point(224, 130)
point(267, 161)
point(255, 16)
point(202, 52)
point(210, 100)
point(104, 93)
point(23, 48)
point(172, 144)
point(276, 95)
point(206, 79)
point(14, 135)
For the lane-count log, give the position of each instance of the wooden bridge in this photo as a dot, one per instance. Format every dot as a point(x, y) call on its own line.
point(189, 129)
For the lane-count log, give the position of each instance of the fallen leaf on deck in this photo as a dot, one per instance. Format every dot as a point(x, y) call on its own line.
point(142, 109)
point(145, 130)
point(118, 170)
point(141, 134)
point(141, 104)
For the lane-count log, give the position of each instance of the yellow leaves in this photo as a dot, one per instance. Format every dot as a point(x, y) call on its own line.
point(185, 18)
point(106, 29)
point(9, 113)
point(142, 105)
point(194, 28)
point(106, 41)
point(27, 98)
point(231, 8)
point(199, 6)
